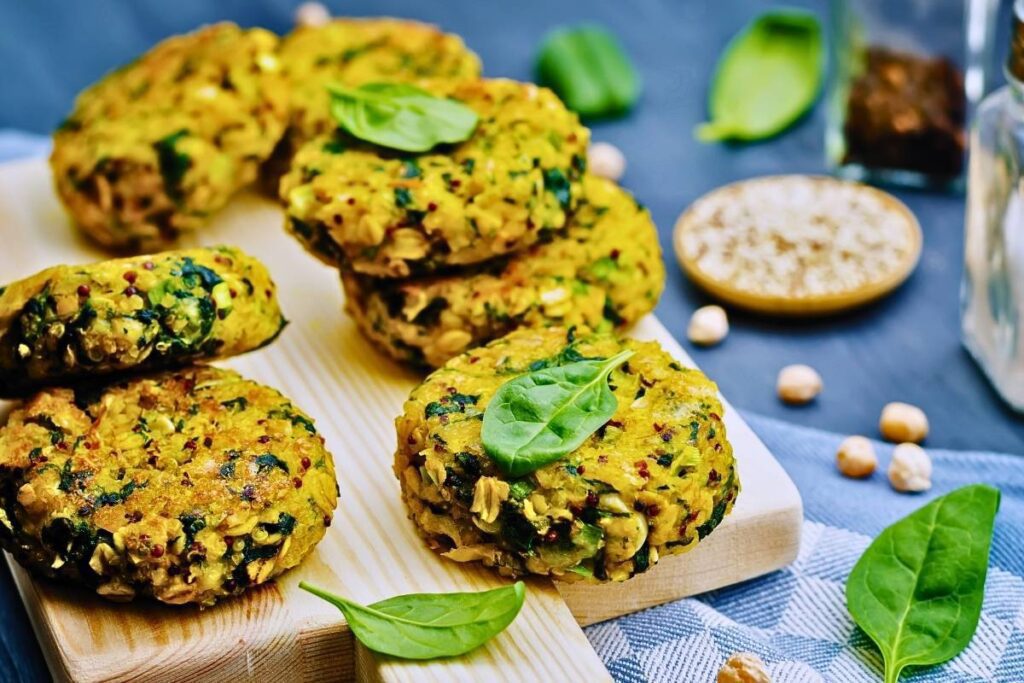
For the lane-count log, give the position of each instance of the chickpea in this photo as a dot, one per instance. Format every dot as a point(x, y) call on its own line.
point(911, 468)
point(606, 160)
point(856, 457)
point(312, 14)
point(902, 422)
point(798, 384)
point(743, 667)
point(708, 325)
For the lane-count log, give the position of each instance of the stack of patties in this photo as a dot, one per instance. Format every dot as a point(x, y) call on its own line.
point(448, 249)
point(133, 471)
point(159, 145)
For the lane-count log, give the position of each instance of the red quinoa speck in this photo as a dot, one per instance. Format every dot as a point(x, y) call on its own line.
point(264, 439)
point(148, 265)
point(306, 463)
point(83, 290)
point(297, 482)
point(130, 276)
point(158, 551)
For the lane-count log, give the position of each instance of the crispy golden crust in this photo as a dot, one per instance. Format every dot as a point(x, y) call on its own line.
point(158, 145)
point(388, 214)
point(654, 480)
point(606, 272)
point(186, 486)
point(145, 312)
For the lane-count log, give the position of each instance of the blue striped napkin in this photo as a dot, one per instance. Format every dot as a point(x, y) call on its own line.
point(796, 619)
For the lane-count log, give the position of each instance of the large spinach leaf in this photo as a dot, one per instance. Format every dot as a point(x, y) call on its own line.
point(429, 625)
point(401, 116)
point(768, 76)
point(918, 588)
point(544, 415)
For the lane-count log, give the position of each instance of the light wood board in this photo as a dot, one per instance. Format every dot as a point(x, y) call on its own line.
point(371, 551)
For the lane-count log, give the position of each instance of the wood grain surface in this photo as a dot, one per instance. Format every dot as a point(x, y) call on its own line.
point(279, 632)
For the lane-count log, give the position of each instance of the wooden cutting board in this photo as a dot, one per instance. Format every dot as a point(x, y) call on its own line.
point(371, 551)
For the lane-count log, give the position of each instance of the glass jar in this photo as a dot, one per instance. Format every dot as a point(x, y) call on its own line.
point(906, 76)
point(992, 295)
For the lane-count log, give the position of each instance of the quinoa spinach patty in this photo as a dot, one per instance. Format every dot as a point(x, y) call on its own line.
point(187, 486)
point(605, 272)
point(73, 322)
point(654, 480)
point(390, 214)
point(158, 145)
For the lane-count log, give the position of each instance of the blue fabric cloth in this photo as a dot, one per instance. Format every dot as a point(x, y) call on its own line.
point(796, 618)
point(15, 144)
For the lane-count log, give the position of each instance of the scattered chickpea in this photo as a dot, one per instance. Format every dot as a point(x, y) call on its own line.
point(743, 667)
point(911, 468)
point(606, 160)
point(902, 422)
point(798, 384)
point(856, 457)
point(312, 14)
point(708, 325)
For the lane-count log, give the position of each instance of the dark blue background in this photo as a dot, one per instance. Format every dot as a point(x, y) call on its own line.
point(903, 348)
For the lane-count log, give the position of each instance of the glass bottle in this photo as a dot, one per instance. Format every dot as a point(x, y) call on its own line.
point(992, 294)
point(906, 76)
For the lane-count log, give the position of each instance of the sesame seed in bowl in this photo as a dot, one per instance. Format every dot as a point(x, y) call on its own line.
point(798, 245)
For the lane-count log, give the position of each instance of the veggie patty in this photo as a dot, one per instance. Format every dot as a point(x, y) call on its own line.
point(605, 272)
point(158, 145)
point(352, 52)
point(357, 51)
point(70, 322)
point(390, 214)
point(187, 486)
point(652, 481)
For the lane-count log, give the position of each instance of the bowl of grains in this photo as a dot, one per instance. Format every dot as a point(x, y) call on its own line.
point(798, 244)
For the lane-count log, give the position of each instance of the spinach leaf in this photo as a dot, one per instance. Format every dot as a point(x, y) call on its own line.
point(172, 163)
point(589, 69)
point(768, 76)
point(917, 590)
point(544, 415)
point(400, 116)
point(429, 625)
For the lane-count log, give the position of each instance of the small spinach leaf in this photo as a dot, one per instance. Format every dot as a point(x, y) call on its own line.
point(767, 78)
point(917, 590)
point(401, 116)
point(173, 164)
point(544, 415)
point(429, 625)
point(589, 69)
